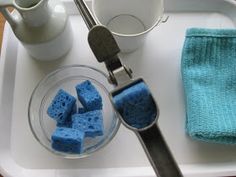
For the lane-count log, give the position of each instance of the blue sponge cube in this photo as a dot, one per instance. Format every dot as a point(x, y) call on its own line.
point(68, 122)
point(81, 110)
point(136, 106)
point(61, 107)
point(89, 96)
point(68, 140)
point(91, 123)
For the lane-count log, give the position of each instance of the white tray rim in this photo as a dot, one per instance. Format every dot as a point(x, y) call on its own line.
point(9, 168)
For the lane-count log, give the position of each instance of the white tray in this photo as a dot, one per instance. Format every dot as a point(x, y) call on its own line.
point(158, 62)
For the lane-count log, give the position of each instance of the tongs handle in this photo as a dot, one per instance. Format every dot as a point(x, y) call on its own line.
point(101, 41)
point(106, 50)
point(86, 14)
point(158, 152)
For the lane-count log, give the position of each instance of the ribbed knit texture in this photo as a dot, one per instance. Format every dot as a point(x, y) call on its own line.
point(209, 76)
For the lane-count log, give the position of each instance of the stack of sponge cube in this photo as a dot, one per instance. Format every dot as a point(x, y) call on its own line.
point(74, 126)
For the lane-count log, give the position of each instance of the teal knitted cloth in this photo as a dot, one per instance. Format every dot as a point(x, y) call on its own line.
point(209, 76)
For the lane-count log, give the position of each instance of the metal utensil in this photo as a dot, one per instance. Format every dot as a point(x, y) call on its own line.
point(106, 50)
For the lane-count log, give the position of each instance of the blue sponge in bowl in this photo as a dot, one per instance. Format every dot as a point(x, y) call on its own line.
point(81, 110)
point(61, 107)
point(68, 122)
point(67, 140)
point(91, 123)
point(136, 105)
point(89, 96)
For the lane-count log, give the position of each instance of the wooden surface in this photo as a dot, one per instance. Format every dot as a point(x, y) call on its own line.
point(2, 21)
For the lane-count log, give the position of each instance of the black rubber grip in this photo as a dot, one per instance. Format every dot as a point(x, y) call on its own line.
point(102, 43)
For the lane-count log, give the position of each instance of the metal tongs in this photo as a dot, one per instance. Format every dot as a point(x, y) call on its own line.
point(106, 50)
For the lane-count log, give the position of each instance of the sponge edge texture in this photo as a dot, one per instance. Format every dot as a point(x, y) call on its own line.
point(136, 106)
point(67, 140)
point(61, 106)
point(89, 96)
point(82, 110)
point(68, 122)
point(90, 122)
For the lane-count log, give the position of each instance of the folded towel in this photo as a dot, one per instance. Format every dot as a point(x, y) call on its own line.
point(209, 76)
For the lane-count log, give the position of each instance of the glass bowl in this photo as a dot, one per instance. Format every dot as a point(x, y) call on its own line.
point(42, 126)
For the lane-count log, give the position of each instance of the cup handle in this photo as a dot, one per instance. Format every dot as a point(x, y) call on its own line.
point(5, 12)
point(165, 18)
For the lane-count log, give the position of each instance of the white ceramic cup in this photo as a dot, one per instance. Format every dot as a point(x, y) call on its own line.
point(129, 20)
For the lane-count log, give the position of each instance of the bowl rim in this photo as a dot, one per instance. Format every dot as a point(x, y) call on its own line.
point(62, 154)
